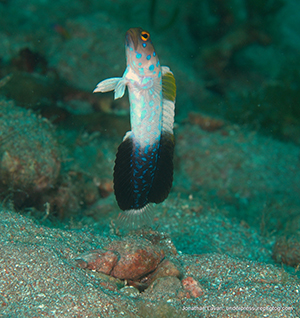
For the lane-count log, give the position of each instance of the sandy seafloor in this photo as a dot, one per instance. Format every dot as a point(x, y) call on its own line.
point(236, 189)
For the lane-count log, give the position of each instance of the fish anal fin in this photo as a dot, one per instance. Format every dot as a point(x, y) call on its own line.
point(120, 88)
point(163, 178)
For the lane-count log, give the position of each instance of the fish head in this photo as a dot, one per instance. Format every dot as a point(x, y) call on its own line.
point(140, 53)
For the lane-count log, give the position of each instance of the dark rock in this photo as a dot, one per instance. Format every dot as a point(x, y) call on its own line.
point(165, 286)
point(29, 154)
point(287, 251)
point(109, 282)
point(164, 269)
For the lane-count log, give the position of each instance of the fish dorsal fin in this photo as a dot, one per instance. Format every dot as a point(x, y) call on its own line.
point(169, 95)
point(168, 84)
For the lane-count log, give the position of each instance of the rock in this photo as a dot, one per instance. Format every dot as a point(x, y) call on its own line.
point(29, 154)
point(130, 291)
point(160, 309)
point(165, 286)
point(130, 259)
point(165, 268)
point(159, 239)
point(192, 286)
point(98, 260)
point(287, 251)
point(137, 258)
point(109, 282)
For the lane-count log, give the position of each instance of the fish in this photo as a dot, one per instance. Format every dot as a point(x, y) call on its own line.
point(143, 171)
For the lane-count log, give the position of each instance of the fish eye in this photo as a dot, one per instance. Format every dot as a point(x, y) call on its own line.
point(145, 35)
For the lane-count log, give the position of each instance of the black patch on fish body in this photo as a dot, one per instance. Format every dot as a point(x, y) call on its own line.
point(142, 176)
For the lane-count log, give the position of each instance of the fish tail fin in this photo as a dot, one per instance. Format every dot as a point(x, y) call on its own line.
point(135, 218)
point(115, 83)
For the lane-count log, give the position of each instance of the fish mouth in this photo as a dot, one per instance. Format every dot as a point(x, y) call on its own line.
point(131, 38)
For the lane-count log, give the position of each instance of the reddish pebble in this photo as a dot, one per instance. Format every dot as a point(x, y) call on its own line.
point(192, 286)
point(137, 258)
point(98, 260)
point(130, 259)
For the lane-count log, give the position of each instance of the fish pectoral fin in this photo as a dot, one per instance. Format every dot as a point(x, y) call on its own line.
point(120, 88)
point(107, 85)
point(117, 84)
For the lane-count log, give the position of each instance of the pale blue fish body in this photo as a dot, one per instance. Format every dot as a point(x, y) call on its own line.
point(143, 170)
point(144, 81)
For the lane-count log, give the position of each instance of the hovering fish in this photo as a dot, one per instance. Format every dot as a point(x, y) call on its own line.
point(143, 171)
